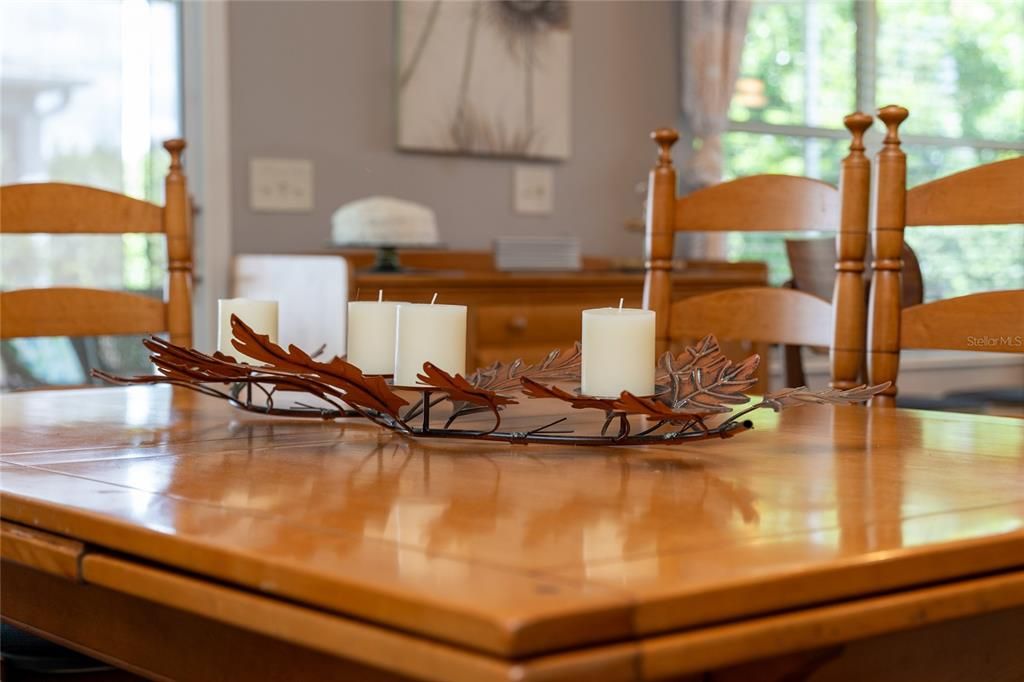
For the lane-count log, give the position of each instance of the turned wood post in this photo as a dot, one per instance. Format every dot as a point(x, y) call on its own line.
point(887, 244)
point(659, 236)
point(179, 249)
point(849, 302)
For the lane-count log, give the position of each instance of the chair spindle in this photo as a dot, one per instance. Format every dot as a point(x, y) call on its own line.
point(849, 315)
point(887, 244)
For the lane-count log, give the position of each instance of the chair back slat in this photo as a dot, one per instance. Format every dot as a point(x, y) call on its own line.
point(982, 321)
point(992, 194)
point(60, 208)
point(768, 315)
point(761, 203)
point(70, 311)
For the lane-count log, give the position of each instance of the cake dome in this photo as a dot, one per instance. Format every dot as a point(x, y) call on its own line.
point(383, 221)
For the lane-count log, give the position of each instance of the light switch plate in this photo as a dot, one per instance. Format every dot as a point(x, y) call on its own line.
point(280, 185)
point(534, 188)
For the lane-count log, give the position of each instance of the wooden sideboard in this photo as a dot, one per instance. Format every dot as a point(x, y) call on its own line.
point(518, 315)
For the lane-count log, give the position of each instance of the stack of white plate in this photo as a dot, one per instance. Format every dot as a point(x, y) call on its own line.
point(537, 253)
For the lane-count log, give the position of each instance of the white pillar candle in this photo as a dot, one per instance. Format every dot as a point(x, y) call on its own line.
point(260, 315)
point(429, 332)
point(618, 352)
point(371, 336)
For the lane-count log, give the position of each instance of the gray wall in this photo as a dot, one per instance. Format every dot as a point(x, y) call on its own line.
point(314, 80)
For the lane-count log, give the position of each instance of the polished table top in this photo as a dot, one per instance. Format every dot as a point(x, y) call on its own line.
point(519, 550)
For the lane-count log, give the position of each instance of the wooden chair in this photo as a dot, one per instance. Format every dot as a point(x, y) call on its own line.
point(765, 203)
point(991, 194)
point(59, 208)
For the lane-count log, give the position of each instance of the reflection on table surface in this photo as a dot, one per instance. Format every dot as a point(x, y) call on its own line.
point(806, 490)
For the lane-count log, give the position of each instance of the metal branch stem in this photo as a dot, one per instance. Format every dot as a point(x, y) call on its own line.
point(526, 437)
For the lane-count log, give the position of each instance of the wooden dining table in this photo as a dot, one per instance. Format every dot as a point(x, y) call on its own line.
point(178, 538)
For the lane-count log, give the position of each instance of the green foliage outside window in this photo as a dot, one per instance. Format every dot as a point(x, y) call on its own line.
point(774, 53)
point(957, 65)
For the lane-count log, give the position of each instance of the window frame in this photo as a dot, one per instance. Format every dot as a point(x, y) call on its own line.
point(865, 76)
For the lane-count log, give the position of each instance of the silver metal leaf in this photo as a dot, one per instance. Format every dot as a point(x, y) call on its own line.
point(790, 397)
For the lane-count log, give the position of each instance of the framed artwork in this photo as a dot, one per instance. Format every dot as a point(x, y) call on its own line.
point(484, 77)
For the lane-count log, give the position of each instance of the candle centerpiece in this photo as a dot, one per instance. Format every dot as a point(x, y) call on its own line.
point(701, 388)
point(429, 332)
point(261, 316)
point(618, 352)
point(371, 335)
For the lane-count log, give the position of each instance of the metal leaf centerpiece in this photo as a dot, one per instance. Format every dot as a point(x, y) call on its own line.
point(696, 390)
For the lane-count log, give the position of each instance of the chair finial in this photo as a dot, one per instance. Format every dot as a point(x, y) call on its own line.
point(665, 138)
point(858, 123)
point(175, 147)
point(892, 116)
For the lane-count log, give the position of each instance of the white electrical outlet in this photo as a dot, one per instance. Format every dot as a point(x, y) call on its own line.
point(534, 188)
point(280, 185)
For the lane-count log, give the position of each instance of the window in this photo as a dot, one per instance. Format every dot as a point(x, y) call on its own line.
point(89, 91)
point(957, 65)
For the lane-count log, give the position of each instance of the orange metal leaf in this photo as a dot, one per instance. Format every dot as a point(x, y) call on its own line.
point(459, 389)
point(534, 389)
point(370, 392)
point(632, 404)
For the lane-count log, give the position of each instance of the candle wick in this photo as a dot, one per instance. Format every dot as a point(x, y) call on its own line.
point(433, 299)
point(620, 303)
point(358, 289)
point(380, 295)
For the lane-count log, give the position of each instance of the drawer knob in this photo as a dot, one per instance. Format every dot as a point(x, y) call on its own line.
point(517, 324)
